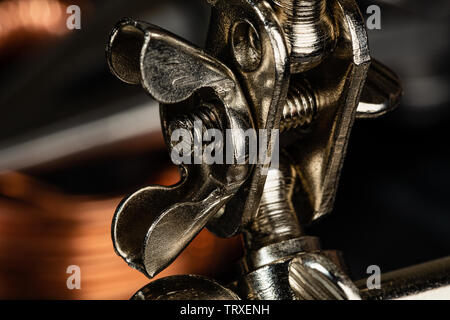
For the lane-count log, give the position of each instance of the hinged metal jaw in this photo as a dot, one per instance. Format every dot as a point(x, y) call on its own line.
point(252, 77)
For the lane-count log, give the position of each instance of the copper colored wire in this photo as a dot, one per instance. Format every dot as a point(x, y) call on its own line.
point(43, 231)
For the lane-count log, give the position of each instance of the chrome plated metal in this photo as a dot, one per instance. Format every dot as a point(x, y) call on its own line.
point(265, 84)
point(163, 220)
point(310, 31)
point(295, 66)
point(273, 94)
point(319, 158)
point(281, 262)
point(313, 277)
point(268, 254)
point(184, 287)
point(426, 281)
point(307, 276)
point(381, 93)
point(276, 219)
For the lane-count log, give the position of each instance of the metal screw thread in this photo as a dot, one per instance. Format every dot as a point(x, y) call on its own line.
point(309, 31)
point(203, 114)
point(276, 220)
point(300, 108)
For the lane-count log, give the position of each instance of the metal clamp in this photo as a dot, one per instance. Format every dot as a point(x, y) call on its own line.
point(305, 71)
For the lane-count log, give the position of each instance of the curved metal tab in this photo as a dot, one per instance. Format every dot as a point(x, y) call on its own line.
point(152, 226)
point(381, 93)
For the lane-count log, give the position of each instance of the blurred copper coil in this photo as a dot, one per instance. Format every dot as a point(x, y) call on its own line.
point(43, 231)
point(35, 15)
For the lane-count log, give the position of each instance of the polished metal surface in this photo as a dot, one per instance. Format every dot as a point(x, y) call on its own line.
point(273, 93)
point(300, 108)
point(295, 67)
point(319, 158)
point(164, 220)
point(313, 277)
point(309, 30)
point(276, 220)
point(184, 287)
point(258, 258)
point(307, 276)
point(426, 281)
point(381, 93)
point(265, 84)
point(281, 262)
